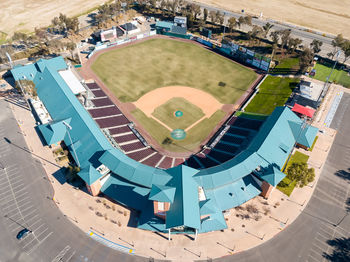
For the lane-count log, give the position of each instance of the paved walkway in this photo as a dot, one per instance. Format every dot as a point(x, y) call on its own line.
point(245, 230)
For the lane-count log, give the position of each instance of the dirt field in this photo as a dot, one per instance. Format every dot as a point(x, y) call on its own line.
point(25, 15)
point(331, 16)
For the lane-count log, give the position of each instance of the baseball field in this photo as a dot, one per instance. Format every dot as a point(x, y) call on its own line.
point(178, 88)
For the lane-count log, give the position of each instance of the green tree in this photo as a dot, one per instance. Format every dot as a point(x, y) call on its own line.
point(346, 50)
point(293, 43)
point(205, 14)
point(337, 44)
point(305, 60)
point(232, 22)
point(301, 174)
point(267, 27)
point(241, 21)
point(316, 46)
point(212, 16)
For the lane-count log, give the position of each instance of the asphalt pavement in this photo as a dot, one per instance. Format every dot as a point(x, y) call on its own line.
point(324, 225)
point(26, 202)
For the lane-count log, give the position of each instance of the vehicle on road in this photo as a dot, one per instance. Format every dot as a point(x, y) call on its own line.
point(21, 234)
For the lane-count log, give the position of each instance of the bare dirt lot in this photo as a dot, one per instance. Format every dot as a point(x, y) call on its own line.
point(331, 16)
point(25, 15)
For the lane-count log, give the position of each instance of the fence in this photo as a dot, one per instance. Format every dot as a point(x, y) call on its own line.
point(122, 41)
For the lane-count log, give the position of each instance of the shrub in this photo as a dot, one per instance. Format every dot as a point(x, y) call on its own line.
point(266, 210)
point(99, 214)
point(251, 208)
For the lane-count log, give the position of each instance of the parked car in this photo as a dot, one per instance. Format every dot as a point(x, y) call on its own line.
point(3, 85)
point(21, 234)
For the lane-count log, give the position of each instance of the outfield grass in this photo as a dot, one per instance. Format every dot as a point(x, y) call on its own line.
point(339, 76)
point(193, 138)
point(166, 113)
point(285, 186)
point(273, 92)
point(132, 71)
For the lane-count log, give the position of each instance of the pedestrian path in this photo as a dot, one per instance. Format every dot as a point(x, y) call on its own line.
point(333, 109)
point(110, 244)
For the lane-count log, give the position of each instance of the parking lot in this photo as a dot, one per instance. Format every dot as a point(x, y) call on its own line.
point(26, 201)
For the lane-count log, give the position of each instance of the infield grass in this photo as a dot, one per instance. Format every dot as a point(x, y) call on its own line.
point(273, 92)
point(132, 71)
point(166, 113)
point(194, 136)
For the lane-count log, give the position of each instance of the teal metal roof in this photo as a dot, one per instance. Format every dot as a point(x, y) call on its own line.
point(272, 175)
point(307, 136)
point(162, 193)
point(164, 24)
point(89, 174)
point(213, 222)
point(54, 132)
point(207, 207)
point(225, 186)
point(184, 211)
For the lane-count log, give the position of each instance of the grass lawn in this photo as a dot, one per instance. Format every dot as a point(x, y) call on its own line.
point(193, 138)
point(313, 144)
point(285, 185)
point(251, 115)
point(273, 92)
point(289, 63)
point(132, 71)
point(339, 76)
point(166, 113)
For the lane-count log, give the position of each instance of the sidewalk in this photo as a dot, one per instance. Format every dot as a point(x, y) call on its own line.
point(246, 229)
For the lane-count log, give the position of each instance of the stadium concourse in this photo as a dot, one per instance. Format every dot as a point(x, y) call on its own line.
point(244, 162)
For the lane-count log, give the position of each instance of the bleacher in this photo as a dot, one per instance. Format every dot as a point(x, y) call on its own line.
point(109, 117)
point(236, 136)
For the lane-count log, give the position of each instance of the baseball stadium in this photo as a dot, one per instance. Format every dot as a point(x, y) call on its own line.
point(151, 125)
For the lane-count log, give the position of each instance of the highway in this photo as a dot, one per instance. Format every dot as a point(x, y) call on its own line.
point(26, 201)
point(327, 215)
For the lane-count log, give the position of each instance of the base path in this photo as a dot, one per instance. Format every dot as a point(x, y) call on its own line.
point(205, 101)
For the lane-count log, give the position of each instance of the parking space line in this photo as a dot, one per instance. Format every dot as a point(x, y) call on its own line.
point(42, 232)
point(34, 238)
point(17, 186)
point(38, 227)
point(69, 258)
point(33, 217)
point(19, 201)
point(27, 208)
point(28, 214)
point(39, 243)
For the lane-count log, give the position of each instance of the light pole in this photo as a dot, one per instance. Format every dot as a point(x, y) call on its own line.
point(325, 88)
point(71, 142)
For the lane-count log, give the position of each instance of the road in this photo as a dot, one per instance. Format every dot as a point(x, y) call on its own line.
point(296, 31)
point(26, 201)
point(324, 218)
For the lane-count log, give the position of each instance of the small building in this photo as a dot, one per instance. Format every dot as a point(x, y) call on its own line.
point(108, 35)
point(130, 28)
point(178, 27)
point(308, 94)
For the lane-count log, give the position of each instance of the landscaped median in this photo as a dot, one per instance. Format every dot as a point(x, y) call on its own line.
point(286, 185)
